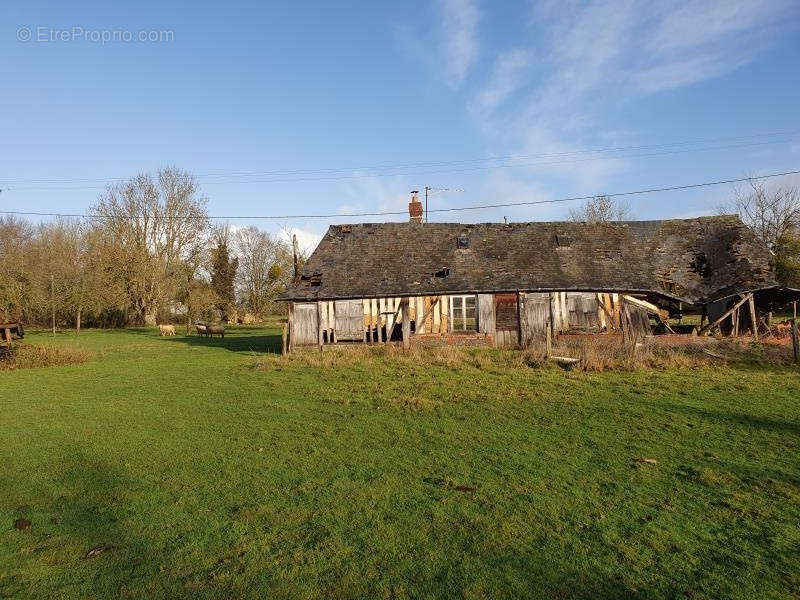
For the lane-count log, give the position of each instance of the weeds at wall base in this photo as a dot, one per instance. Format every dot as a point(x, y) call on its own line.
point(593, 355)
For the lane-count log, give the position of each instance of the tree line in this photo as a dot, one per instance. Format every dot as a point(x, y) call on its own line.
point(147, 253)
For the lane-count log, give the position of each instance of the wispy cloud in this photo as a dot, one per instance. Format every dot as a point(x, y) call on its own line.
point(506, 77)
point(633, 47)
point(459, 37)
point(551, 95)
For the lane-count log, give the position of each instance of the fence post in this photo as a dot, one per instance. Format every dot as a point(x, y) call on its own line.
point(548, 343)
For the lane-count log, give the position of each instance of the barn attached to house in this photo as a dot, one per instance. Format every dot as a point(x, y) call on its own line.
point(507, 284)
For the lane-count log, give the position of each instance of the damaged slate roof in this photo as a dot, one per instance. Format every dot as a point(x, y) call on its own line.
point(691, 260)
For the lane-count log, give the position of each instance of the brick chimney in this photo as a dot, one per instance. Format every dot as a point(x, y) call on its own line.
point(415, 210)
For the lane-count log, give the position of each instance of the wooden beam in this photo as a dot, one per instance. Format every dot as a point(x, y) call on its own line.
point(291, 327)
point(606, 310)
point(624, 323)
point(651, 308)
point(794, 339)
point(724, 315)
point(283, 339)
point(548, 342)
point(663, 314)
point(429, 313)
point(404, 306)
point(430, 309)
point(375, 319)
point(319, 325)
point(753, 318)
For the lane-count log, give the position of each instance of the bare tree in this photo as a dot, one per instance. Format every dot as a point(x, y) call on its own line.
point(154, 225)
point(87, 283)
point(265, 267)
point(601, 209)
point(771, 212)
point(16, 239)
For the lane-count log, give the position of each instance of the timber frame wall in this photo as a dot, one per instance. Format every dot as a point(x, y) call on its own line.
point(502, 319)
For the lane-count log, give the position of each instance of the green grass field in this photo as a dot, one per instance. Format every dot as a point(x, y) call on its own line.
point(201, 476)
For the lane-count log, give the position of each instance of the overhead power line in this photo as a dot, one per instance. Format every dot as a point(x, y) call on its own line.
point(654, 190)
point(456, 166)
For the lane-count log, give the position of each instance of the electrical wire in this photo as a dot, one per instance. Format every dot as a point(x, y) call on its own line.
point(388, 170)
point(654, 190)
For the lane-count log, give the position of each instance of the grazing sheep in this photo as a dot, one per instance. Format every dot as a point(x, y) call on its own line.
point(167, 329)
point(202, 329)
point(218, 329)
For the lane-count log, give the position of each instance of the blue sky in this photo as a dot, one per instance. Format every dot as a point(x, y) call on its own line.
point(342, 107)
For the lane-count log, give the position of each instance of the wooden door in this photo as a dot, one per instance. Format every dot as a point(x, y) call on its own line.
point(506, 315)
point(349, 320)
point(583, 311)
point(535, 312)
point(305, 326)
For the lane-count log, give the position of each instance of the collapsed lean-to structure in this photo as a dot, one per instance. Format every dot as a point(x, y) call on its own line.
point(505, 284)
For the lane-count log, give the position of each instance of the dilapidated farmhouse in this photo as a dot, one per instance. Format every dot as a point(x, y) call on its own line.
point(505, 284)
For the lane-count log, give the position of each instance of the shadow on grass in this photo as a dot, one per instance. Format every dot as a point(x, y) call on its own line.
point(238, 339)
point(79, 529)
point(745, 419)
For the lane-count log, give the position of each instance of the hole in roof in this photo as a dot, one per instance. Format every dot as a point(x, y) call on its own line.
point(443, 272)
point(563, 240)
point(701, 265)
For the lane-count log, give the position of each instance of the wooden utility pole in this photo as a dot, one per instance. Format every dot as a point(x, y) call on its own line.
point(52, 303)
point(794, 340)
point(294, 256)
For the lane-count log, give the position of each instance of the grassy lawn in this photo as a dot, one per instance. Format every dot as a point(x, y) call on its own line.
point(201, 476)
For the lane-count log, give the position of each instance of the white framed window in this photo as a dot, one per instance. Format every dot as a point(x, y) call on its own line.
point(463, 313)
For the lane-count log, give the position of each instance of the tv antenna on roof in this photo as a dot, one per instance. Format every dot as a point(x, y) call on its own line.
point(433, 190)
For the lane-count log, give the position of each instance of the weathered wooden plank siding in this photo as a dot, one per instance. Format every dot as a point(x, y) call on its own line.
point(486, 315)
point(506, 315)
point(349, 320)
point(534, 316)
point(506, 319)
point(305, 325)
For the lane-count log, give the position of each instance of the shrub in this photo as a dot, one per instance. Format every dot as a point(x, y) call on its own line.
point(26, 356)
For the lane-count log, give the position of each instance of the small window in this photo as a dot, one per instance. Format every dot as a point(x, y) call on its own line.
point(462, 241)
point(463, 313)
